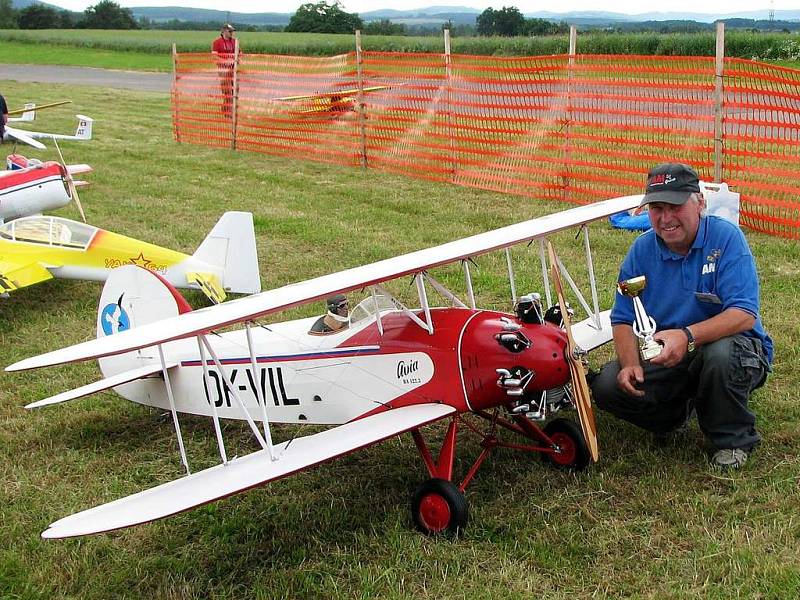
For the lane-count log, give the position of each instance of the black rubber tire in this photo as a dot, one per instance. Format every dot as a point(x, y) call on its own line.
point(569, 437)
point(438, 506)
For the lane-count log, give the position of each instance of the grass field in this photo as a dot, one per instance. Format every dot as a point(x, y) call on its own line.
point(646, 522)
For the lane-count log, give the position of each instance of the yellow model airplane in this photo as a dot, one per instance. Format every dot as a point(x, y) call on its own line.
point(333, 103)
point(37, 248)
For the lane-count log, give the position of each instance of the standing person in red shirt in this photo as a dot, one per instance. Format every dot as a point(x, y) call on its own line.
point(225, 48)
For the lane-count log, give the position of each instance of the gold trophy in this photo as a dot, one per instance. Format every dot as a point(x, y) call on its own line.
point(644, 326)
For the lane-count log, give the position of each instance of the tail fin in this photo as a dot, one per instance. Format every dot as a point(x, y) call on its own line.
point(231, 246)
point(28, 115)
point(84, 130)
point(132, 297)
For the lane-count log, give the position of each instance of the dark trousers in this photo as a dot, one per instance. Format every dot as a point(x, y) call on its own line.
point(716, 380)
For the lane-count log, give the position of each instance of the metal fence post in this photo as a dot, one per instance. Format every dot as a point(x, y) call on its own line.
point(718, 102)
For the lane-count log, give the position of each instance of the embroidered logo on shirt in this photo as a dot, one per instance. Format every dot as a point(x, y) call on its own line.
point(715, 254)
point(709, 267)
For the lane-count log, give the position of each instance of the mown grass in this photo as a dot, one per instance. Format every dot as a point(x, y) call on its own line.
point(646, 522)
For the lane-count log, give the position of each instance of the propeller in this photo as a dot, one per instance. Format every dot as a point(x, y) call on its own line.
point(73, 191)
point(583, 400)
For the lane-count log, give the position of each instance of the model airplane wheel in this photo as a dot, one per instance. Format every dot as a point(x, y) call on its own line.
point(573, 452)
point(438, 506)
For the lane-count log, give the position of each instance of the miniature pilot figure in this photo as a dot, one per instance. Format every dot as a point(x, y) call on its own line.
point(336, 319)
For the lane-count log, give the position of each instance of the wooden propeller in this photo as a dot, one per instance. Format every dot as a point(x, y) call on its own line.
point(580, 389)
point(73, 191)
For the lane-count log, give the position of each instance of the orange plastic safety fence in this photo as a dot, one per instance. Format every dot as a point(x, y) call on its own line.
point(577, 129)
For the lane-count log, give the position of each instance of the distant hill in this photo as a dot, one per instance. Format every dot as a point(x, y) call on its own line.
point(436, 15)
point(202, 15)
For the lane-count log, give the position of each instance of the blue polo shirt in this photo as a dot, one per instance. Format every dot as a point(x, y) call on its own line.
point(718, 273)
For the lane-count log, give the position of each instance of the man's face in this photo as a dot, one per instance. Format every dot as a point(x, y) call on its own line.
point(676, 224)
point(342, 308)
point(227, 34)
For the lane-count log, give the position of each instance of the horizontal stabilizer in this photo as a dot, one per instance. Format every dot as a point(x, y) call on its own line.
point(78, 169)
point(103, 384)
point(247, 472)
point(14, 276)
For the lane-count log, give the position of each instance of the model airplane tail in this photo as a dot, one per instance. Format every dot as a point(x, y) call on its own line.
point(231, 247)
point(133, 297)
point(82, 133)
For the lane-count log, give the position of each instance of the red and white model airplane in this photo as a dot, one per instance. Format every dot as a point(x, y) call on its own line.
point(393, 370)
point(31, 187)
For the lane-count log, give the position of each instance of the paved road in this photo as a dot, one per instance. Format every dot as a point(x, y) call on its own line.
point(134, 80)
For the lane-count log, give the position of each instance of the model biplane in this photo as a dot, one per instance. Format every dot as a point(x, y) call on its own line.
point(331, 103)
point(38, 248)
point(393, 370)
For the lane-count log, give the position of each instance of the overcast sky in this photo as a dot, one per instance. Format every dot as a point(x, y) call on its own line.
point(526, 6)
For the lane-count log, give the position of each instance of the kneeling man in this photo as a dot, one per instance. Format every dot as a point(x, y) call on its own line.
point(702, 291)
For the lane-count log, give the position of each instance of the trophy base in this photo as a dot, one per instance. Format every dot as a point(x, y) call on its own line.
point(650, 349)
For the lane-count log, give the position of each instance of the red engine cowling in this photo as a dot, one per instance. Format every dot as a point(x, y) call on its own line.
point(531, 353)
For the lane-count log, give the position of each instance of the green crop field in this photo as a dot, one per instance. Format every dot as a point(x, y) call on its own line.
point(108, 48)
point(648, 521)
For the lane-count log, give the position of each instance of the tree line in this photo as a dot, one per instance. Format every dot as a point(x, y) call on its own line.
point(106, 14)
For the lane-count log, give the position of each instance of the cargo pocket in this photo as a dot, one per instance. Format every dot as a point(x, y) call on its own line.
point(747, 366)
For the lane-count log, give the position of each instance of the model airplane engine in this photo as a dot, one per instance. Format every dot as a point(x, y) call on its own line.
point(507, 361)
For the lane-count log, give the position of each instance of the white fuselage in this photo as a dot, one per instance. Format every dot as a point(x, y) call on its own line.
point(304, 378)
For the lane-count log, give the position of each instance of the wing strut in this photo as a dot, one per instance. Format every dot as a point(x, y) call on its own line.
point(511, 277)
point(174, 412)
point(545, 278)
point(259, 392)
point(445, 293)
point(406, 310)
point(235, 392)
point(217, 430)
point(419, 279)
point(378, 321)
point(468, 279)
point(592, 281)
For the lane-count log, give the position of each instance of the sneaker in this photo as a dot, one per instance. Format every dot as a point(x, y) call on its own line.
point(729, 458)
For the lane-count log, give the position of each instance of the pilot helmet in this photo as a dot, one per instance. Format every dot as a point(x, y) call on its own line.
point(338, 307)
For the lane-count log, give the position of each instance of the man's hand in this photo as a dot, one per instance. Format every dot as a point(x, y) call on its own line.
point(629, 377)
point(675, 344)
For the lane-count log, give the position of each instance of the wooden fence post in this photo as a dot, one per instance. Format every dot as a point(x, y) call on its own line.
point(718, 101)
point(360, 101)
point(567, 154)
point(448, 74)
point(235, 96)
point(174, 94)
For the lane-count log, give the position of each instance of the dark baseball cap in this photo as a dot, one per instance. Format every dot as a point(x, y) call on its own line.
point(672, 183)
point(229, 27)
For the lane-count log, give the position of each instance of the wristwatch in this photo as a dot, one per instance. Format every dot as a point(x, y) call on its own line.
point(690, 345)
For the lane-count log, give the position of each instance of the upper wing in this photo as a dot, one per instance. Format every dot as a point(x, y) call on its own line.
point(24, 137)
point(252, 307)
point(14, 276)
point(247, 472)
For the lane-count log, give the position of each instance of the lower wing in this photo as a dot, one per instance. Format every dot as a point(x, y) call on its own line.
point(247, 472)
